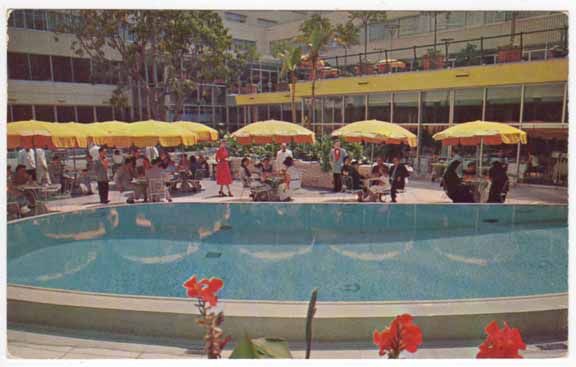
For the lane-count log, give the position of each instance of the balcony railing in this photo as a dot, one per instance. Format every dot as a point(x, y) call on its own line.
point(505, 48)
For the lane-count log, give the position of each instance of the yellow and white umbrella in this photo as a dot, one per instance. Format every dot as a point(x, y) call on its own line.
point(273, 131)
point(375, 131)
point(477, 132)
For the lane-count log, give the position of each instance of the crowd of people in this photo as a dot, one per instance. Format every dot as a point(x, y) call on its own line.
point(266, 181)
point(268, 178)
point(456, 181)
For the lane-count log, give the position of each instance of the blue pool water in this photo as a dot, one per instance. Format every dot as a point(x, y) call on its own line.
point(283, 251)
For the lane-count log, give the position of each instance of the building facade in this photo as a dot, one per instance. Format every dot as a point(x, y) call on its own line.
point(411, 80)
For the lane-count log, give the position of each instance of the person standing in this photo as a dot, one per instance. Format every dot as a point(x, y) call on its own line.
point(398, 174)
point(101, 170)
point(337, 155)
point(281, 156)
point(223, 174)
point(42, 167)
point(30, 163)
point(21, 159)
point(93, 151)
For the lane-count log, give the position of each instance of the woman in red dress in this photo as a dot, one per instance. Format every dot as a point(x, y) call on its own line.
point(223, 175)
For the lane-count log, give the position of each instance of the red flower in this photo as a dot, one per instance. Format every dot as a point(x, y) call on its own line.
point(402, 334)
point(204, 290)
point(501, 343)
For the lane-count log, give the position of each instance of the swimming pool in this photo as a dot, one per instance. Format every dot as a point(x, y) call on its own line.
point(280, 252)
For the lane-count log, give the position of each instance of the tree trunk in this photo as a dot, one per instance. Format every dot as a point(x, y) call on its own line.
point(293, 95)
point(512, 28)
point(435, 31)
point(365, 42)
point(313, 99)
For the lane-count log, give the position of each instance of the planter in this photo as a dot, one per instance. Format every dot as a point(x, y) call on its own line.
point(363, 69)
point(509, 54)
point(432, 62)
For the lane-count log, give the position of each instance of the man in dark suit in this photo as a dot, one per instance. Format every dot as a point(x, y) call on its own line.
point(398, 174)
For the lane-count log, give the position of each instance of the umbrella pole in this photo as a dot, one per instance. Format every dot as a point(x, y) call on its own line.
point(481, 155)
point(372, 153)
point(518, 163)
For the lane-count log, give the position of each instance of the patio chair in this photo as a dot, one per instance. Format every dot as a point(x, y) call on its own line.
point(13, 210)
point(157, 190)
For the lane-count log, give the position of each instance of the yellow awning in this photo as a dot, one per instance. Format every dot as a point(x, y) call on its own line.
point(273, 131)
point(375, 131)
point(475, 132)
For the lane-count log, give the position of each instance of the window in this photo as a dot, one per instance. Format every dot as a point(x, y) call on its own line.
point(266, 22)
point(243, 44)
point(287, 112)
point(40, 67)
point(16, 19)
point(219, 117)
point(62, 67)
point(494, 17)
point(383, 31)
point(235, 17)
point(205, 115)
point(333, 110)
point(65, 113)
point(44, 113)
point(406, 108)
point(503, 104)
point(85, 113)
point(18, 66)
point(408, 26)
point(436, 107)
point(543, 103)
point(379, 107)
point(276, 112)
point(468, 104)
point(262, 111)
point(220, 96)
point(36, 19)
point(22, 112)
point(455, 19)
point(81, 69)
point(474, 18)
point(355, 108)
point(104, 113)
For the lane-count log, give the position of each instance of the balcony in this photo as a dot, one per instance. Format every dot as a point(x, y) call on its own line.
point(527, 47)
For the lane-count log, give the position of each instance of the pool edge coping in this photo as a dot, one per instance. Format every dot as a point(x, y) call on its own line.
point(291, 309)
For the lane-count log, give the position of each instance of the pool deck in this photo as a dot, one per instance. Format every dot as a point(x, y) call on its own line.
point(49, 343)
point(27, 341)
point(417, 192)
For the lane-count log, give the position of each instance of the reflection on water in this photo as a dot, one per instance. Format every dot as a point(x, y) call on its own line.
point(373, 252)
point(281, 252)
point(79, 236)
point(155, 252)
point(275, 253)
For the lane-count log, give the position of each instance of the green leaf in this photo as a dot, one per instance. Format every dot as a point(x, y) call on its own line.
point(261, 348)
point(244, 350)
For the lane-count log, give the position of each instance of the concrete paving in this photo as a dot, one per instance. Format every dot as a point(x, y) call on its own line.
point(49, 343)
point(417, 192)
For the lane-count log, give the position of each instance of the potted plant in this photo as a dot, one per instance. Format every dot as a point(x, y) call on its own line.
point(509, 53)
point(469, 55)
point(433, 59)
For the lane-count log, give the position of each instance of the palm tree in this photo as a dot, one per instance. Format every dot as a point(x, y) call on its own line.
point(366, 18)
point(316, 33)
point(319, 38)
point(346, 35)
point(290, 58)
